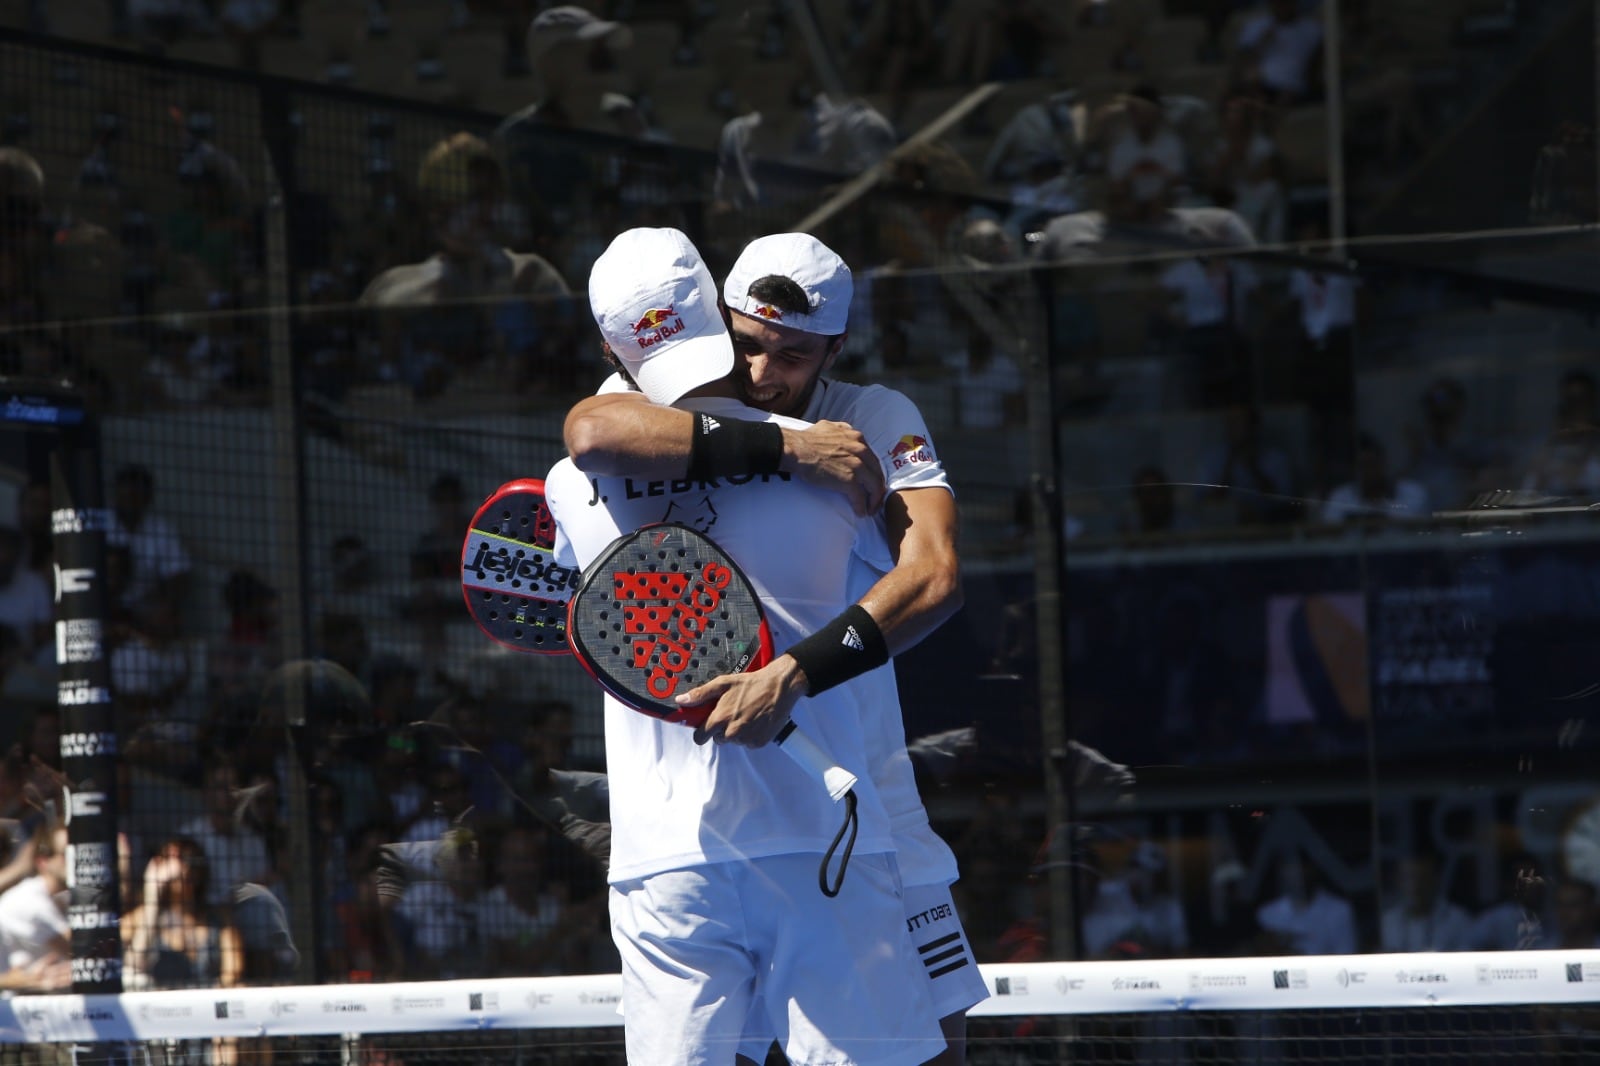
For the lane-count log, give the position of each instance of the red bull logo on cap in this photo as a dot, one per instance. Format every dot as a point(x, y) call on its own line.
point(912, 448)
point(660, 322)
point(768, 311)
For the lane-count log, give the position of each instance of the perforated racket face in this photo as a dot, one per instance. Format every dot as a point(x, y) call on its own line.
point(661, 611)
point(514, 589)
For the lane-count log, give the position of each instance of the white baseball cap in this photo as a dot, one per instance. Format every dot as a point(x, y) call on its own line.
point(806, 261)
point(656, 305)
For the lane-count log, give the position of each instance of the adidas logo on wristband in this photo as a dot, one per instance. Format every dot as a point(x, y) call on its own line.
point(707, 424)
point(852, 639)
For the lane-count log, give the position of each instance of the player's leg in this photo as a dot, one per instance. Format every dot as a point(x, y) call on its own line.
point(687, 975)
point(839, 981)
point(946, 962)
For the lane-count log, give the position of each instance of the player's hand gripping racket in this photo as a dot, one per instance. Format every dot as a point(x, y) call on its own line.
point(513, 586)
point(663, 610)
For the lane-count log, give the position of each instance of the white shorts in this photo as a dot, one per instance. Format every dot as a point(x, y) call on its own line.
point(706, 949)
point(942, 954)
point(942, 949)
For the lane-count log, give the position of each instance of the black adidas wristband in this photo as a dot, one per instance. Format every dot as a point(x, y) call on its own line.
point(732, 447)
point(846, 647)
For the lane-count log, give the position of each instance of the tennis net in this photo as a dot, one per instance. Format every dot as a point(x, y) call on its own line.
point(1522, 1007)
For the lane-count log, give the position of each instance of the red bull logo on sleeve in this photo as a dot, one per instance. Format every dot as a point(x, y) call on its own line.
point(770, 312)
point(656, 325)
point(912, 448)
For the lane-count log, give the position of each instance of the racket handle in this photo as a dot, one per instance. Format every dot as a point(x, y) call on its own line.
point(815, 761)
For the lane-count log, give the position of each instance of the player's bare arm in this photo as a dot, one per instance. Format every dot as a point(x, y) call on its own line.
point(924, 588)
point(624, 434)
point(752, 707)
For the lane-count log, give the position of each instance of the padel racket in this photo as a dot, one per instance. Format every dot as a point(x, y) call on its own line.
point(664, 609)
point(514, 588)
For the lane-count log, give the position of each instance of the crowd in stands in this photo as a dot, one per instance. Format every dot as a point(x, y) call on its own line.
point(455, 269)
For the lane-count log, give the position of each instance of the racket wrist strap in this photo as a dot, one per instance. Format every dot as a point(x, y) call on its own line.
point(732, 447)
point(846, 647)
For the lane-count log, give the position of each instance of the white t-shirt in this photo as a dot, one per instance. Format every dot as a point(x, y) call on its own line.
point(1286, 50)
point(157, 553)
point(501, 919)
point(30, 919)
point(1445, 928)
point(897, 434)
point(1410, 500)
point(1325, 925)
point(1206, 294)
point(675, 803)
point(1327, 302)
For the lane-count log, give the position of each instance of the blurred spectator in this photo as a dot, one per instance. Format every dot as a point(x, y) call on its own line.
point(1444, 461)
point(468, 303)
point(247, 22)
point(1136, 915)
point(848, 136)
point(1154, 504)
point(485, 762)
point(733, 183)
point(437, 551)
point(24, 682)
point(1576, 912)
point(252, 606)
point(236, 853)
point(1145, 159)
point(342, 638)
point(1247, 171)
point(547, 170)
point(34, 935)
point(448, 801)
point(1564, 178)
point(1375, 493)
point(159, 562)
point(1512, 922)
point(26, 602)
point(1004, 40)
point(151, 672)
point(1211, 303)
point(162, 23)
point(898, 43)
point(1305, 917)
point(1421, 917)
point(439, 911)
point(1044, 129)
point(1567, 463)
point(1280, 50)
point(1255, 474)
point(175, 935)
point(210, 231)
point(530, 923)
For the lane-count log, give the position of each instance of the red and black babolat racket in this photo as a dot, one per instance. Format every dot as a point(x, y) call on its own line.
point(515, 590)
point(662, 610)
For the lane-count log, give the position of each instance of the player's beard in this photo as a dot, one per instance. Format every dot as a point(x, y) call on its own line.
point(788, 404)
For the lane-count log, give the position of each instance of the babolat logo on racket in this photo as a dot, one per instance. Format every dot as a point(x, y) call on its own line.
point(490, 561)
point(664, 615)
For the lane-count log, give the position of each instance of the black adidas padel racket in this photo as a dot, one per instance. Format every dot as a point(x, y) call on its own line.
point(664, 609)
point(514, 588)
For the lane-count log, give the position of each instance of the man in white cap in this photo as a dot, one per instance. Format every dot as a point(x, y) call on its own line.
point(547, 162)
point(788, 300)
point(715, 908)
